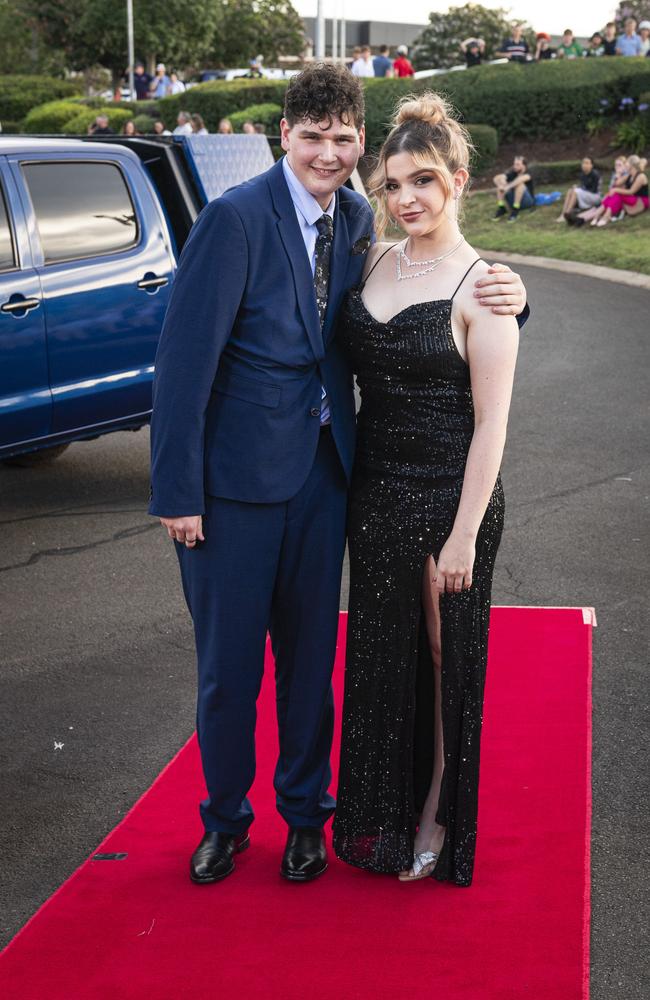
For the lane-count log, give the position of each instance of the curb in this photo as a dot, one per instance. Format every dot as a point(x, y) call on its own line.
point(634, 278)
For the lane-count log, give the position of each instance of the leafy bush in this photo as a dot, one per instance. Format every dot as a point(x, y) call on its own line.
point(485, 140)
point(217, 99)
point(530, 100)
point(79, 124)
point(268, 115)
point(520, 101)
point(563, 171)
point(19, 94)
point(524, 101)
point(144, 124)
point(51, 117)
point(634, 135)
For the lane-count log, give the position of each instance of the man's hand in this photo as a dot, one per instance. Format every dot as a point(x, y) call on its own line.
point(186, 530)
point(501, 290)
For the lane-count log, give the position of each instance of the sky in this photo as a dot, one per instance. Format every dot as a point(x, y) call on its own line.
point(544, 15)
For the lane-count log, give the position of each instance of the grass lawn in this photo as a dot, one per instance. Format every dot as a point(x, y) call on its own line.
point(623, 244)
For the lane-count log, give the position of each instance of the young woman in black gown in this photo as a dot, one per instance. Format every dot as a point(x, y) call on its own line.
point(435, 372)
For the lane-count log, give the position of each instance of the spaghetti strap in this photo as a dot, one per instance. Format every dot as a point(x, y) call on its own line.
point(464, 276)
point(381, 256)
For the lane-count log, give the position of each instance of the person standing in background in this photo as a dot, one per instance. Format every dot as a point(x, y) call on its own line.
point(629, 43)
point(473, 50)
point(609, 39)
point(644, 34)
point(402, 65)
point(515, 49)
point(141, 82)
point(568, 47)
point(383, 64)
point(160, 82)
point(363, 66)
point(543, 49)
point(184, 124)
point(176, 85)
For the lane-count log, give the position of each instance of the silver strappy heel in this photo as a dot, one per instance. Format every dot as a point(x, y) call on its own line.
point(423, 865)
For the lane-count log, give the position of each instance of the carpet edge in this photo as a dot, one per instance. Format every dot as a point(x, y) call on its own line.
point(88, 860)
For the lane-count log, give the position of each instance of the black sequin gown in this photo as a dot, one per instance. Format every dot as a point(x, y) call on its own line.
point(415, 426)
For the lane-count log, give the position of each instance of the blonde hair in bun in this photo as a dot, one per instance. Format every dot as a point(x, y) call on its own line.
point(425, 126)
point(637, 162)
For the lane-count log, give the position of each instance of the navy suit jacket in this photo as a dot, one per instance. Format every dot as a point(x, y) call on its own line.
point(242, 357)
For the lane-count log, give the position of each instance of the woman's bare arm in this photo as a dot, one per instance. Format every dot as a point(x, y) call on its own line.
point(492, 343)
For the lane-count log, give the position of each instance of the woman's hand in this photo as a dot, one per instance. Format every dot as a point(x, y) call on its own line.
point(455, 564)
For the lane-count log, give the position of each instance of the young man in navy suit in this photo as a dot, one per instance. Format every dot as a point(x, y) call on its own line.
point(252, 446)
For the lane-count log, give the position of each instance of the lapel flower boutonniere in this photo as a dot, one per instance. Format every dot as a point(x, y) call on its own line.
point(362, 245)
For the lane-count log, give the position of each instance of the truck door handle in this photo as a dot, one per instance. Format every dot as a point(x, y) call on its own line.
point(151, 281)
point(19, 305)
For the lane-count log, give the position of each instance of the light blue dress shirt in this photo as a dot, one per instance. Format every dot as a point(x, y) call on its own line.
point(308, 212)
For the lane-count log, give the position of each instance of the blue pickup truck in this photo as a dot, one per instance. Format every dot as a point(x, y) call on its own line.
point(90, 232)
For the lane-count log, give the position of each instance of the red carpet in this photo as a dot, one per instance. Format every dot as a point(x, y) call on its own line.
point(138, 928)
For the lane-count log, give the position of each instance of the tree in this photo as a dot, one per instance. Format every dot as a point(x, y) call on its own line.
point(22, 49)
point(639, 9)
point(248, 28)
point(438, 47)
point(85, 33)
point(94, 31)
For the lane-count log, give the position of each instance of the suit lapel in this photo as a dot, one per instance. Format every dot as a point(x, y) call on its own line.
point(295, 249)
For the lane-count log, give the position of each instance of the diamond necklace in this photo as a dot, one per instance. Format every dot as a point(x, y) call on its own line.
point(432, 264)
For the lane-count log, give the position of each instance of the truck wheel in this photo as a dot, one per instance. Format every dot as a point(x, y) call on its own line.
point(34, 458)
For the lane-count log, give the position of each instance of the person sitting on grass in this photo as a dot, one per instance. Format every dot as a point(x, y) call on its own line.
point(583, 195)
point(515, 189)
point(631, 197)
point(568, 47)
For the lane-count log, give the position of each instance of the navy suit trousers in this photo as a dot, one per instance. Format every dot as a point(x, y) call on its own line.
point(272, 567)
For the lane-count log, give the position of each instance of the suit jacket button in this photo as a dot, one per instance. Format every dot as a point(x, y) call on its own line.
point(315, 412)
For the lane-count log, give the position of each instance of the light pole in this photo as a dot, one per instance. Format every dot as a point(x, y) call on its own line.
point(320, 31)
point(131, 56)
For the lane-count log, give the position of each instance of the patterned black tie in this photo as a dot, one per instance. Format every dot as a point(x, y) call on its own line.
point(325, 226)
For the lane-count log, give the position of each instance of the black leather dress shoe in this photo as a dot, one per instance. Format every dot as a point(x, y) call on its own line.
point(305, 857)
point(213, 858)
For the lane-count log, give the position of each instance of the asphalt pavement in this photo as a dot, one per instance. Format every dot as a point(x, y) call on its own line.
point(97, 668)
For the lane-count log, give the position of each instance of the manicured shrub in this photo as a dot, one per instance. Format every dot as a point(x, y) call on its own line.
point(144, 123)
point(268, 115)
point(51, 117)
point(564, 171)
point(19, 94)
point(79, 124)
point(549, 98)
point(555, 97)
point(485, 140)
point(217, 99)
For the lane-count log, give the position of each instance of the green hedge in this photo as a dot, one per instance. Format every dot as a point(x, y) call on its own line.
point(268, 115)
point(79, 124)
point(566, 171)
point(19, 94)
point(485, 140)
point(531, 101)
point(552, 98)
point(51, 117)
point(217, 100)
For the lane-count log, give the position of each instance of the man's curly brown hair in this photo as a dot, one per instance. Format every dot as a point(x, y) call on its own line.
point(322, 92)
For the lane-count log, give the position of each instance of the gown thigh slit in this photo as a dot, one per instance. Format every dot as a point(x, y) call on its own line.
point(415, 427)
